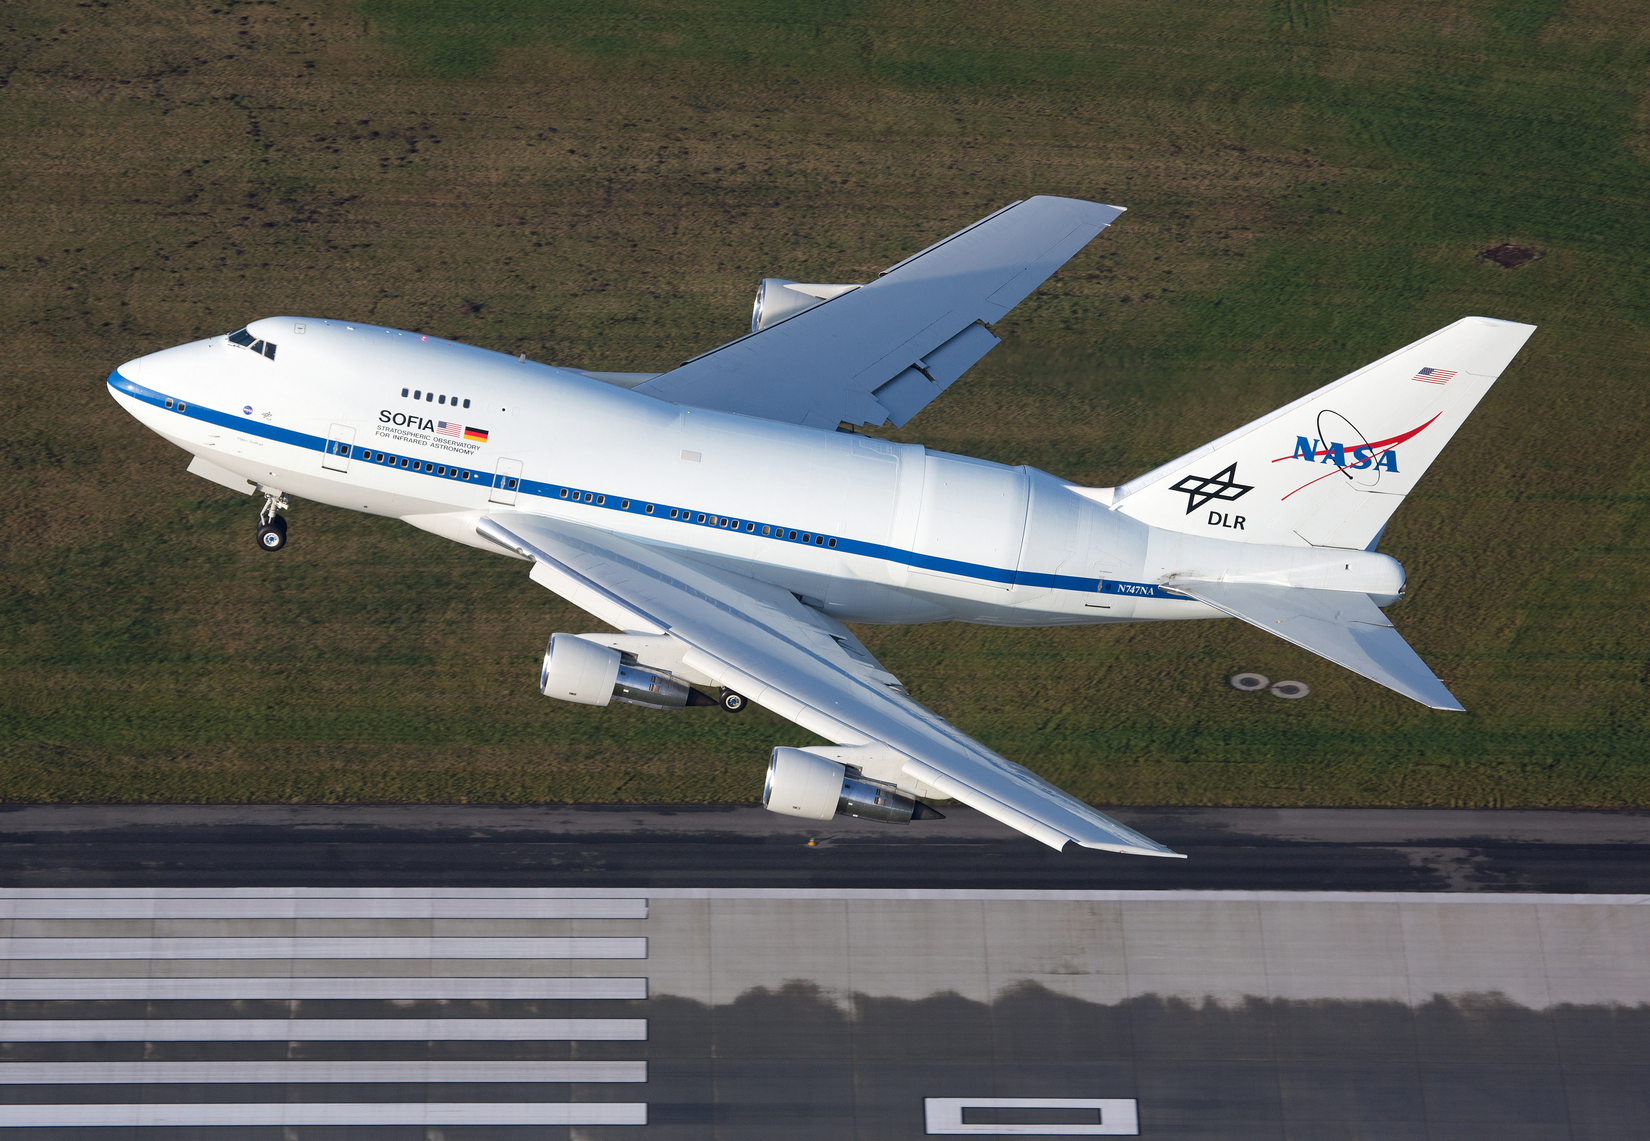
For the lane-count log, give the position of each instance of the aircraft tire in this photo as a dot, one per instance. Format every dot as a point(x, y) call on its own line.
point(733, 702)
point(272, 535)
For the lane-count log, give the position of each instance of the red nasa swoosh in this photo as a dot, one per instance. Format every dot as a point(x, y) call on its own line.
point(1378, 449)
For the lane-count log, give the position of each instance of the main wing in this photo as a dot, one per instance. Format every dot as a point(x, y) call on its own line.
point(884, 350)
point(758, 639)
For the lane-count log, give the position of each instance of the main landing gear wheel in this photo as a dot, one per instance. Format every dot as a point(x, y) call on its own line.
point(733, 702)
point(271, 526)
point(272, 535)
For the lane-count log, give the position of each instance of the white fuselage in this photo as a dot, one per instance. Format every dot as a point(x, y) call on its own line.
point(441, 434)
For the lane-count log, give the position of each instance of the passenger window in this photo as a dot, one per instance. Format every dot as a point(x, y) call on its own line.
point(403, 392)
point(403, 461)
point(767, 530)
point(750, 526)
point(443, 400)
point(418, 394)
point(465, 475)
point(429, 396)
point(168, 402)
point(793, 534)
point(466, 404)
point(650, 508)
point(624, 505)
point(443, 471)
point(564, 493)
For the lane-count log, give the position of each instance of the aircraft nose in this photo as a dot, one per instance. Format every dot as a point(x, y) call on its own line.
point(132, 369)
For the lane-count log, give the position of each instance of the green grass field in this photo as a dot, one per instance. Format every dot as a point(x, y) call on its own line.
point(602, 185)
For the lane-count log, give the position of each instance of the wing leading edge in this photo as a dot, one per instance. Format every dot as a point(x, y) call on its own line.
point(885, 350)
point(760, 640)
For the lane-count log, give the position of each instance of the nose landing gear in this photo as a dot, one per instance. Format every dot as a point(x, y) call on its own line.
point(272, 527)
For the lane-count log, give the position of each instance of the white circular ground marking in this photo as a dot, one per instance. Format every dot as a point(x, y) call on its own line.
point(1291, 689)
point(1251, 683)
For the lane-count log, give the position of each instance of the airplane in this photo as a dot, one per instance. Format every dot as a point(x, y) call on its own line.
point(728, 516)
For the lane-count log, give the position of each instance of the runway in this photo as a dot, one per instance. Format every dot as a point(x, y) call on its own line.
point(472, 974)
point(738, 846)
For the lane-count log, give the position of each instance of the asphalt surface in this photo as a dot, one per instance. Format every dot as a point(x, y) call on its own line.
point(741, 846)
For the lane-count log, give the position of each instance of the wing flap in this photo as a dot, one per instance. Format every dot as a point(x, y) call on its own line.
point(1344, 626)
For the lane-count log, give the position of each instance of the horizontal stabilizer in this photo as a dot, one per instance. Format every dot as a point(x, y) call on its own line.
point(1344, 626)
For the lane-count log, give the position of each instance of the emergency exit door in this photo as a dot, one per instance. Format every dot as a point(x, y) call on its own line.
point(506, 482)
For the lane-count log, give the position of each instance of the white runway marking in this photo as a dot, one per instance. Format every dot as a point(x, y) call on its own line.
point(323, 1030)
point(325, 947)
point(336, 946)
point(208, 906)
point(1119, 1117)
point(285, 1072)
point(344, 1113)
point(304, 988)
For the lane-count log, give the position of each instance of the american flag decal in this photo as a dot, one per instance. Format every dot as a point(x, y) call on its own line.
point(444, 428)
point(1434, 375)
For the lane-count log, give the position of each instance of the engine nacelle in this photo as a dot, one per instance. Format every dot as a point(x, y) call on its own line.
point(580, 671)
point(806, 784)
point(777, 299)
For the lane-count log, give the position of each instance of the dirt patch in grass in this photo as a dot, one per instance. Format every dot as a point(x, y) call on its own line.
point(1509, 256)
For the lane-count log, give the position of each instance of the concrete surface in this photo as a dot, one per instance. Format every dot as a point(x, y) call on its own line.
point(837, 1013)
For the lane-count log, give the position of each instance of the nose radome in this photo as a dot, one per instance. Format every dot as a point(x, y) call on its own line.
point(133, 369)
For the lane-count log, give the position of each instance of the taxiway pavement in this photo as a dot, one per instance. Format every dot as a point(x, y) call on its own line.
point(1351, 849)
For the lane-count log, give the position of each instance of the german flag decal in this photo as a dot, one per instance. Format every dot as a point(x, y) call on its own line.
point(479, 435)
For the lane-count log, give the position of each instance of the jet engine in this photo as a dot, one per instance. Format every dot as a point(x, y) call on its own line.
point(805, 784)
point(777, 299)
point(579, 670)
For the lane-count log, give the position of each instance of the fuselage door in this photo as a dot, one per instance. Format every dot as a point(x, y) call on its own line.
point(506, 482)
point(339, 441)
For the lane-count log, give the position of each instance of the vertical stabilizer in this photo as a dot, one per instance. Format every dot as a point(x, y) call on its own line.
point(1331, 468)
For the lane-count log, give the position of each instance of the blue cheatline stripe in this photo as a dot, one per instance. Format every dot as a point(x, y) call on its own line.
point(662, 511)
point(246, 425)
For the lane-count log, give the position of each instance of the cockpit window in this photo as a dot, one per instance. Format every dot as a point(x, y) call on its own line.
point(243, 339)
